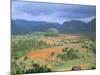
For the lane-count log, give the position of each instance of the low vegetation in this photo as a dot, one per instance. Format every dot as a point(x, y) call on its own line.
point(21, 67)
point(52, 32)
point(57, 53)
point(89, 45)
point(69, 54)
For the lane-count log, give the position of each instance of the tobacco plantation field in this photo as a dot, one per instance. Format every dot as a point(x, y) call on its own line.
point(37, 53)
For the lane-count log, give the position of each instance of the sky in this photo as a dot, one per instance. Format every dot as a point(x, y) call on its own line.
point(52, 12)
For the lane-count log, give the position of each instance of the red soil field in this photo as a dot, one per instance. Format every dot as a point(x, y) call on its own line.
point(44, 54)
point(69, 36)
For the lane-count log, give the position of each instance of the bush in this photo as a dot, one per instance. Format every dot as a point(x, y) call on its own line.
point(65, 49)
point(38, 69)
point(52, 54)
point(93, 47)
point(69, 54)
point(22, 68)
point(90, 45)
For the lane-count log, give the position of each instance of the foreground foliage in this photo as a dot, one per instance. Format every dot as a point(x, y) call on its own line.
point(89, 45)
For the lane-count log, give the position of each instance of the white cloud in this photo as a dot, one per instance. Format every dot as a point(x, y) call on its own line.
point(58, 13)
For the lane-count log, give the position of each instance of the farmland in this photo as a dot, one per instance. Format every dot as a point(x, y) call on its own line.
point(51, 37)
point(36, 53)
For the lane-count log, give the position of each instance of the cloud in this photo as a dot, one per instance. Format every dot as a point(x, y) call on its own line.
point(51, 12)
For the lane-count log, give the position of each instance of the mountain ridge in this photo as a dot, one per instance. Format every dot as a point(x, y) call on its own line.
point(23, 26)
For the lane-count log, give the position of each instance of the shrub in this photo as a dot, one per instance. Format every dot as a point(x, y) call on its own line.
point(52, 54)
point(65, 49)
point(21, 68)
point(25, 58)
point(93, 47)
point(90, 45)
point(38, 69)
point(69, 54)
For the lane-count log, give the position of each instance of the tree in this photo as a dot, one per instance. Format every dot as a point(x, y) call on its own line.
point(52, 32)
point(69, 54)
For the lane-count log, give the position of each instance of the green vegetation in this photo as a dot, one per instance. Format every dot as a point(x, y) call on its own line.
point(38, 69)
point(52, 32)
point(21, 67)
point(74, 52)
point(71, 41)
point(23, 44)
point(69, 54)
point(89, 45)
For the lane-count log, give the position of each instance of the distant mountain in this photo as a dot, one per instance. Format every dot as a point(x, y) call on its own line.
point(23, 26)
point(79, 26)
point(74, 26)
point(92, 25)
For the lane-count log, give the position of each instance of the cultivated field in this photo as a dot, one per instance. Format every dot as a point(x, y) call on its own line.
point(33, 53)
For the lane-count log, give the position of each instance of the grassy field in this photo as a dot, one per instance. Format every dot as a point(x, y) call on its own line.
point(36, 53)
